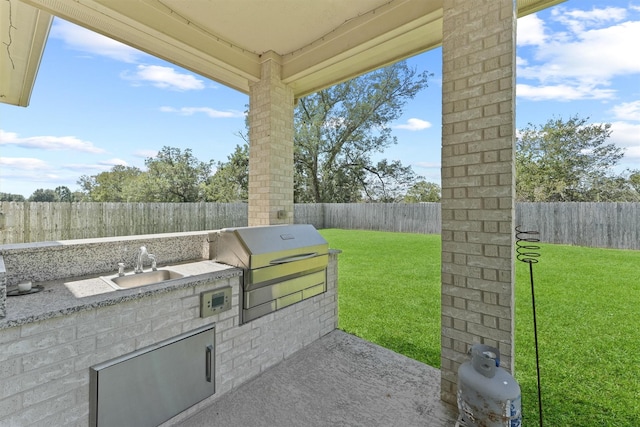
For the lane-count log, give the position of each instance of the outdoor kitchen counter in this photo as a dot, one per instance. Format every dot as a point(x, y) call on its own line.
point(64, 296)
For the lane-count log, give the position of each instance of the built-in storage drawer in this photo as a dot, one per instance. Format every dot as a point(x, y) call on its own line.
point(151, 385)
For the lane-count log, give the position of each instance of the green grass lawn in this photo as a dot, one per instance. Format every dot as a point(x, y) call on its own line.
point(588, 309)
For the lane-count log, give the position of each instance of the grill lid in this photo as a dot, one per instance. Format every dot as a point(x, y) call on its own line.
point(256, 247)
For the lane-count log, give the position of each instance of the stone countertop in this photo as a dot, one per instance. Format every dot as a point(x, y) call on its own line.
point(60, 297)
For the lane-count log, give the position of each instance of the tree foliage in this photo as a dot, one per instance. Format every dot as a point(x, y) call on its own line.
point(387, 182)
point(230, 183)
point(64, 194)
point(423, 191)
point(568, 161)
point(339, 129)
point(111, 186)
point(44, 195)
point(634, 180)
point(8, 197)
point(60, 194)
point(173, 176)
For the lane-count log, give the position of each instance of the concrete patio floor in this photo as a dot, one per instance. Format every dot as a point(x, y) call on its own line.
point(339, 380)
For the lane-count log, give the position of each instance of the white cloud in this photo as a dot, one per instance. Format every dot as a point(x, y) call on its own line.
point(578, 20)
point(414, 125)
point(633, 154)
point(87, 41)
point(164, 78)
point(521, 62)
point(22, 163)
point(145, 154)
point(49, 142)
point(626, 135)
point(22, 175)
point(84, 168)
point(427, 165)
point(214, 114)
point(531, 31)
point(102, 165)
point(83, 40)
point(628, 111)
point(17, 171)
point(562, 92)
point(594, 56)
point(113, 162)
point(580, 59)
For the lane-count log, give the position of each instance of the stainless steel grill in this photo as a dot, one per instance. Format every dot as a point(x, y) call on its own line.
point(283, 264)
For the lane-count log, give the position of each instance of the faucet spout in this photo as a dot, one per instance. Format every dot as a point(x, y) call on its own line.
point(140, 261)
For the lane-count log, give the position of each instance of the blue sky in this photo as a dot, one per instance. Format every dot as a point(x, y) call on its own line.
point(98, 103)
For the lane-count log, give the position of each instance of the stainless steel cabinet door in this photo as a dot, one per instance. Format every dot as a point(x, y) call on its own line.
point(151, 385)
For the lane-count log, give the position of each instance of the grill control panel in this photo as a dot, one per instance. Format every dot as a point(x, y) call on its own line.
point(215, 301)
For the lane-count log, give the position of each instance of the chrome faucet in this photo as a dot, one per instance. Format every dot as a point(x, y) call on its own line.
point(152, 257)
point(140, 262)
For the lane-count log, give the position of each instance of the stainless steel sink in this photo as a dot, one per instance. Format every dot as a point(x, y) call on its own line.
point(142, 279)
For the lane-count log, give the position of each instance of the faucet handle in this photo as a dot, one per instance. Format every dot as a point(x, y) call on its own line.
point(152, 257)
point(121, 269)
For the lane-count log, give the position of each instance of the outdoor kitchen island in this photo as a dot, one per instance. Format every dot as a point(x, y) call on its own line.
point(51, 339)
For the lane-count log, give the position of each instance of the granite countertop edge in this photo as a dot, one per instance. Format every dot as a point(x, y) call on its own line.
point(56, 300)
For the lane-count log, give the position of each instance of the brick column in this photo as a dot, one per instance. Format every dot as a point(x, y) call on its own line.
point(478, 112)
point(271, 147)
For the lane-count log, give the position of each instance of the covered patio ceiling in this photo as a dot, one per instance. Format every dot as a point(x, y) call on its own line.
point(318, 43)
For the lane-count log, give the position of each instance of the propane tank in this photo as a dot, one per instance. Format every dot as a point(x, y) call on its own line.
point(488, 396)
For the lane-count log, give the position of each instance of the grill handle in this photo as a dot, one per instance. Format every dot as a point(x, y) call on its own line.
point(293, 258)
point(208, 362)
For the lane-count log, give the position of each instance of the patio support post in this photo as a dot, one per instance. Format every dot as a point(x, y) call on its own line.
point(478, 187)
point(271, 106)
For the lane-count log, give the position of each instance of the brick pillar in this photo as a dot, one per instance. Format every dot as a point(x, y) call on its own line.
point(478, 187)
point(271, 147)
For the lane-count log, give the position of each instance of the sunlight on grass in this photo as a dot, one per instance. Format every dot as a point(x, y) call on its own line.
point(587, 307)
point(389, 290)
point(587, 303)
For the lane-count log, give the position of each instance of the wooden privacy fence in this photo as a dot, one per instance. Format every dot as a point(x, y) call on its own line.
point(610, 225)
point(39, 222)
point(421, 218)
point(601, 225)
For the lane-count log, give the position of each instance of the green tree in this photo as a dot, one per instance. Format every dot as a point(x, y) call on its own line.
point(613, 189)
point(64, 194)
point(564, 161)
point(42, 195)
point(338, 129)
point(634, 180)
point(173, 176)
point(230, 183)
point(110, 186)
point(387, 182)
point(423, 191)
point(8, 197)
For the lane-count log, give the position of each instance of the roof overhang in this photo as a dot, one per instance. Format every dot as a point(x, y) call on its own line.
point(317, 42)
point(23, 32)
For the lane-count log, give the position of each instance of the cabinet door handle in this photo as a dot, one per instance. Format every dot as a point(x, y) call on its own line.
point(208, 362)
